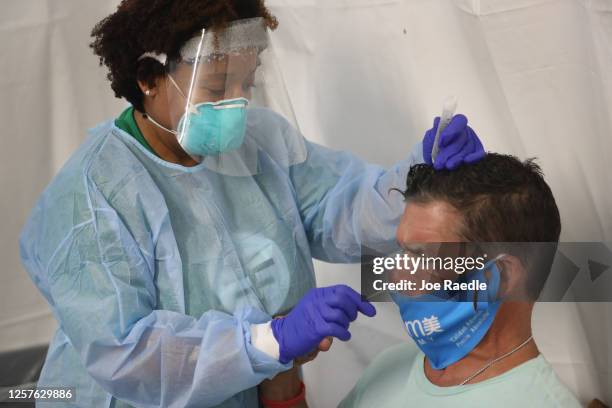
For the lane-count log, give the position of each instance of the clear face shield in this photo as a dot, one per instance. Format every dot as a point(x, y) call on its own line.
point(227, 101)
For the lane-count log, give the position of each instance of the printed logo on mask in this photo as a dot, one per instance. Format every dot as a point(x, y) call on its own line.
point(425, 327)
point(446, 331)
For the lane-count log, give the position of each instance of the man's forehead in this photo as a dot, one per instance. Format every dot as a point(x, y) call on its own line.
point(434, 221)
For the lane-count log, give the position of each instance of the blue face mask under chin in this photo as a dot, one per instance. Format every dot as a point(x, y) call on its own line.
point(447, 328)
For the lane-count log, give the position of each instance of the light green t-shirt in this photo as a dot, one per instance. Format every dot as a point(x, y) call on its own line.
point(396, 378)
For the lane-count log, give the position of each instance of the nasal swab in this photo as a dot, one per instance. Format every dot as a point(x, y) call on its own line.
point(450, 106)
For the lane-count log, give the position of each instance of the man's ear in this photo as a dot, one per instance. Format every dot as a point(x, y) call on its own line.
point(513, 277)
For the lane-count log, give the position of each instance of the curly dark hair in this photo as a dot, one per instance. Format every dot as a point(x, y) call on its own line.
point(501, 198)
point(162, 26)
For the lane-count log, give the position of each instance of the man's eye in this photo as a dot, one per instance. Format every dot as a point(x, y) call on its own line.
point(409, 253)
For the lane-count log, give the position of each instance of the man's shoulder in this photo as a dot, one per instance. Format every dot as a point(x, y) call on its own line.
point(542, 383)
point(532, 383)
point(386, 380)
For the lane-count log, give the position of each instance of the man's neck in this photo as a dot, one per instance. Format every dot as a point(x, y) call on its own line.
point(512, 326)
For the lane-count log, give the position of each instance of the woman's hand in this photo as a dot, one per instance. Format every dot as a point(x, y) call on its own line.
point(458, 144)
point(322, 313)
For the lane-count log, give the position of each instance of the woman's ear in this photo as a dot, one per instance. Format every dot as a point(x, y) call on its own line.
point(148, 89)
point(513, 278)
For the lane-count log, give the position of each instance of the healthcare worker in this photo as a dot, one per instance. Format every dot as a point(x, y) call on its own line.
point(176, 232)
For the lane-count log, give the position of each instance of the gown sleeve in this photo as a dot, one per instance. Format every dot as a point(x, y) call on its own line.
point(99, 281)
point(346, 204)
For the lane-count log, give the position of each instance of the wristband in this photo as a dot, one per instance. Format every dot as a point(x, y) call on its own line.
point(287, 403)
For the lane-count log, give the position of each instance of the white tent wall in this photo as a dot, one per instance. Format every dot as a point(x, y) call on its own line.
point(52, 91)
point(533, 76)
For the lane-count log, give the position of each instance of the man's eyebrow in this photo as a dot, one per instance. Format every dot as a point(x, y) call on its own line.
point(414, 248)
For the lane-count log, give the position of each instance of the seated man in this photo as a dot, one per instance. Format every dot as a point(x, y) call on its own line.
point(489, 358)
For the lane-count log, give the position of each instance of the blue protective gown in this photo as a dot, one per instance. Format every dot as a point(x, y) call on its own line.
point(156, 271)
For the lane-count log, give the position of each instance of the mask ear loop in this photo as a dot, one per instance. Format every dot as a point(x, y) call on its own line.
point(180, 133)
point(159, 125)
point(495, 281)
point(162, 59)
point(178, 88)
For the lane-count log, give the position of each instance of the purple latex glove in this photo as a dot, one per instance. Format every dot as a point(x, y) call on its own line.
point(458, 144)
point(321, 313)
